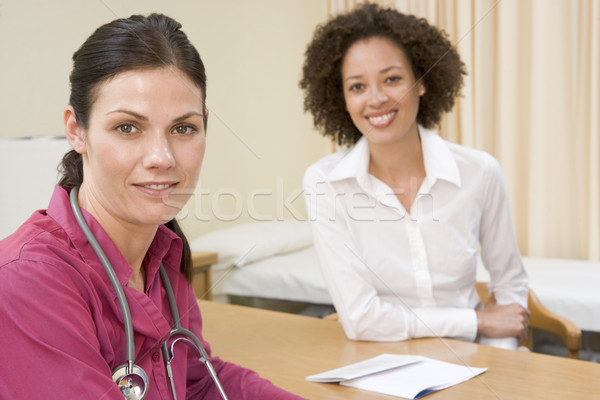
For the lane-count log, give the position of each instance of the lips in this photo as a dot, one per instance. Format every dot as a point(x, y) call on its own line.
point(156, 189)
point(381, 119)
point(158, 186)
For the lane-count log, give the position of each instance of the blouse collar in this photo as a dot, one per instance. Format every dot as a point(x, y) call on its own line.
point(438, 159)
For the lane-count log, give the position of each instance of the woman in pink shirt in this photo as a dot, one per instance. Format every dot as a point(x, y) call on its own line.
point(136, 120)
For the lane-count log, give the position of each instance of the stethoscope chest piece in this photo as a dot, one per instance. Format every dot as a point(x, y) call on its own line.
point(134, 385)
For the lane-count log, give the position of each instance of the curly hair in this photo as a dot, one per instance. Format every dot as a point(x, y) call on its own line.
point(434, 61)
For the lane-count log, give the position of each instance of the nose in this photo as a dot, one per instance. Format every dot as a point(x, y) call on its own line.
point(158, 152)
point(378, 96)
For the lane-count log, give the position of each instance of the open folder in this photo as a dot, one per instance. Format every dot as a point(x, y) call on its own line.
point(407, 376)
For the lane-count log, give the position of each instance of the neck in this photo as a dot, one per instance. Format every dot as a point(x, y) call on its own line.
point(399, 165)
point(132, 240)
point(399, 160)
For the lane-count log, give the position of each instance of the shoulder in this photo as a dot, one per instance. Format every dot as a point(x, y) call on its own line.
point(449, 159)
point(328, 163)
point(39, 256)
point(318, 171)
point(469, 157)
point(479, 171)
point(460, 165)
point(475, 165)
point(34, 240)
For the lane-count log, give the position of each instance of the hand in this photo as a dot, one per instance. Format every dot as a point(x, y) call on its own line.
point(503, 321)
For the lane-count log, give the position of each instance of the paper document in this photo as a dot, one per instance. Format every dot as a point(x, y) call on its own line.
point(410, 377)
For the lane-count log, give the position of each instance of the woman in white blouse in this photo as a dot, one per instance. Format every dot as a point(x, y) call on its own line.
point(399, 214)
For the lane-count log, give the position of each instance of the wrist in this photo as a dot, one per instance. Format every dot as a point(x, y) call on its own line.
point(481, 325)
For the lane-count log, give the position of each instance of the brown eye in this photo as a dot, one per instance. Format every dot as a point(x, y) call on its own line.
point(356, 87)
point(184, 129)
point(126, 128)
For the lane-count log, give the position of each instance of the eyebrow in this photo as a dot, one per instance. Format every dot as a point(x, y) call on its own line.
point(383, 71)
point(144, 118)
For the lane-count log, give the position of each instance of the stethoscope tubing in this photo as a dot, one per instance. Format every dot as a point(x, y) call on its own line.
point(114, 280)
point(177, 330)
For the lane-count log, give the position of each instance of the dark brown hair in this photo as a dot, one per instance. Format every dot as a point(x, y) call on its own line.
point(125, 44)
point(434, 61)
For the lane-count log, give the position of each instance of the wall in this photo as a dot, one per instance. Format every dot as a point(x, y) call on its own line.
point(259, 139)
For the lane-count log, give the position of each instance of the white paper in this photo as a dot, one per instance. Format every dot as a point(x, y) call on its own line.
point(410, 377)
point(373, 365)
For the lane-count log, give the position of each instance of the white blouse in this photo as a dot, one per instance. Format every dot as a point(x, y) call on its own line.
point(394, 275)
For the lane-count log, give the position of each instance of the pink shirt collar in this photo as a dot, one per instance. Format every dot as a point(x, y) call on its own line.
point(166, 246)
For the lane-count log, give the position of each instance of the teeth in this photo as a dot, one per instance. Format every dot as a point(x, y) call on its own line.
point(381, 118)
point(157, 187)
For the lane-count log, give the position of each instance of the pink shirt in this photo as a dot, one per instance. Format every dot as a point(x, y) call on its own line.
point(62, 329)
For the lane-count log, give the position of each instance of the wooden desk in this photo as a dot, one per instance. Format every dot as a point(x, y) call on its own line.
point(202, 281)
point(285, 348)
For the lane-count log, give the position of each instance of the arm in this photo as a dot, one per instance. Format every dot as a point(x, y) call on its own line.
point(506, 314)
point(50, 339)
point(352, 282)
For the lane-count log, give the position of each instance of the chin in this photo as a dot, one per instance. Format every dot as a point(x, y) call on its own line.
point(159, 217)
point(382, 139)
point(166, 218)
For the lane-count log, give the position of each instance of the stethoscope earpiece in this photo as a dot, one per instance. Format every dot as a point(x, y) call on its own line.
point(133, 385)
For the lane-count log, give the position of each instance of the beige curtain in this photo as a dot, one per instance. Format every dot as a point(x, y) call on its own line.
point(532, 99)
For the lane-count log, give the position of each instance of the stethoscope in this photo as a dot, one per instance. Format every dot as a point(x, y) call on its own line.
point(130, 378)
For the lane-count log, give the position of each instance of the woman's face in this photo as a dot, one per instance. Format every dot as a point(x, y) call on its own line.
point(381, 94)
point(143, 147)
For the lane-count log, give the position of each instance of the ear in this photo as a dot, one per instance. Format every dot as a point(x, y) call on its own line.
point(75, 133)
point(421, 89)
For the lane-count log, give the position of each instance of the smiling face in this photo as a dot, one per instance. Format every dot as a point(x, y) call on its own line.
point(380, 90)
point(142, 148)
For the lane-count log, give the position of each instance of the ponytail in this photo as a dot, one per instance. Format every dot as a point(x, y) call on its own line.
point(71, 169)
point(186, 266)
